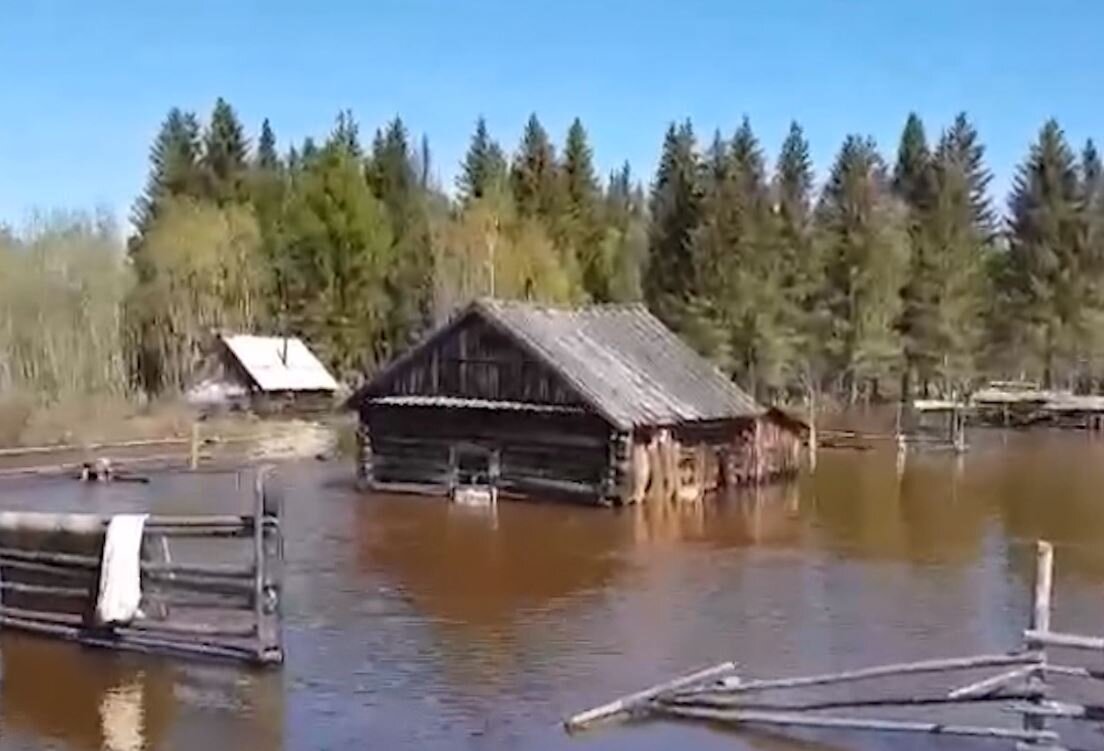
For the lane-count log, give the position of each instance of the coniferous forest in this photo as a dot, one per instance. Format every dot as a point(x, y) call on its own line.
point(892, 268)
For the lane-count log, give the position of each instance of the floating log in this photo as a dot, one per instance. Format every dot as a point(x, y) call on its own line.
point(991, 684)
point(1056, 639)
point(1074, 672)
point(728, 686)
point(627, 703)
point(793, 719)
point(735, 702)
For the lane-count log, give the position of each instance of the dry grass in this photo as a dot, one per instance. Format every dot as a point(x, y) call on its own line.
point(80, 422)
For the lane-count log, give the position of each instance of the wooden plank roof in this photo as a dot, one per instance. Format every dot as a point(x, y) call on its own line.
point(621, 359)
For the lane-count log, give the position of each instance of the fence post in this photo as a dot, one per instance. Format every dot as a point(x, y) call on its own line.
point(1040, 621)
point(193, 459)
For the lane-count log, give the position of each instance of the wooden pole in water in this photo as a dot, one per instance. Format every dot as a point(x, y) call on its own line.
point(907, 668)
point(812, 431)
point(791, 719)
point(1040, 623)
point(193, 460)
point(627, 703)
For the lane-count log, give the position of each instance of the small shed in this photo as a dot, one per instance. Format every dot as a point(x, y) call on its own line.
point(600, 403)
point(265, 373)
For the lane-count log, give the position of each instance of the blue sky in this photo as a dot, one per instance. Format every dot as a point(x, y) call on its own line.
point(84, 86)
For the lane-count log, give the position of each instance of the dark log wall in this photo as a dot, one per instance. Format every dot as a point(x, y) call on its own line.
point(539, 454)
point(477, 361)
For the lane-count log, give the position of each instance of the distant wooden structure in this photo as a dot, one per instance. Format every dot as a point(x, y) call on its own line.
point(1020, 404)
point(264, 374)
point(52, 567)
point(601, 404)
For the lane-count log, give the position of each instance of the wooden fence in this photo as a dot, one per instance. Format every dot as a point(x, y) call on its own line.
point(1020, 685)
point(223, 602)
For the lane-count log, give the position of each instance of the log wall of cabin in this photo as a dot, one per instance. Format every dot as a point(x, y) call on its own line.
point(477, 361)
point(539, 454)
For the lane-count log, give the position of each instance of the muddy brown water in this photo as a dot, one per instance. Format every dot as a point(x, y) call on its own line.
point(411, 623)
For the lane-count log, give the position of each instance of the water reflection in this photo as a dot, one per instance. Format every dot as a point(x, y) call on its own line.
point(84, 702)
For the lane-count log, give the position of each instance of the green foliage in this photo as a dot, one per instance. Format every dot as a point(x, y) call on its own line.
point(338, 254)
point(205, 273)
point(909, 273)
point(489, 249)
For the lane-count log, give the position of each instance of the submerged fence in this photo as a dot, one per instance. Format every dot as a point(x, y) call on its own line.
point(1021, 686)
point(211, 585)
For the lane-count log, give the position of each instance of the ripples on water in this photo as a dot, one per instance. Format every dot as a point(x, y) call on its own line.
point(411, 623)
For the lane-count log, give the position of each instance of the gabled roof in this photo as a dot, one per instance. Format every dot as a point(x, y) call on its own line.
point(276, 363)
point(621, 360)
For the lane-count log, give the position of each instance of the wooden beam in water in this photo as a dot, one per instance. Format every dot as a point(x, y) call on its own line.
point(627, 703)
point(793, 719)
point(730, 686)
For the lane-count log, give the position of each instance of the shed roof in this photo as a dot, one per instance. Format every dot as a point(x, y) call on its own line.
point(621, 359)
point(277, 363)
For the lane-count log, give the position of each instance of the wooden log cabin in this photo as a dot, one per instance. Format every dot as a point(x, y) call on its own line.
point(601, 404)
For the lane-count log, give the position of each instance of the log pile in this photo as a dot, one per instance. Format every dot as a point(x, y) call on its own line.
point(719, 696)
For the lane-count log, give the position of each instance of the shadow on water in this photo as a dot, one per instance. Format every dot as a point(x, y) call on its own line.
point(411, 622)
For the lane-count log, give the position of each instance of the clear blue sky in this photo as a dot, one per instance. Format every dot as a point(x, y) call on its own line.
point(84, 85)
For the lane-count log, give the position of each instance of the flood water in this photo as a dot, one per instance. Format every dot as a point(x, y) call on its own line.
point(412, 623)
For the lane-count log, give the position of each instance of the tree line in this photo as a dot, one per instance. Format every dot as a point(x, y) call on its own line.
point(892, 275)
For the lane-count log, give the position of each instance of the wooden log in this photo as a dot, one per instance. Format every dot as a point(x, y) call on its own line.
point(213, 570)
point(628, 702)
point(1074, 672)
point(192, 629)
point(905, 668)
point(1058, 709)
point(787, 719)
point(134, 643)
point(45, 589)
point(68, 572)
point(992, 683)
point(736, 702)
point(71, 619)
point(1057, 639)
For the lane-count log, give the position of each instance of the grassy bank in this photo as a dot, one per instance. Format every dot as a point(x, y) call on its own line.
point(98, 419)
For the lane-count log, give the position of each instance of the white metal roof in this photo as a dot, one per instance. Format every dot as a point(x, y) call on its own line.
point(277, 363)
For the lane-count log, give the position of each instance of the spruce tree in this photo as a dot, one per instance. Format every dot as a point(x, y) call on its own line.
point(225, 151)
point(912, 182)
point(912, 173)
point(267, 158)
point(534, 174)
point(345, 136)
point(962, 145)
point(865, 248)
point(392, 175)
point(800, 269)
point(675, 209)
point(582, 221)
point(174, 166)
point(1044, 257)
point(483, 170)
point(739, 274)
